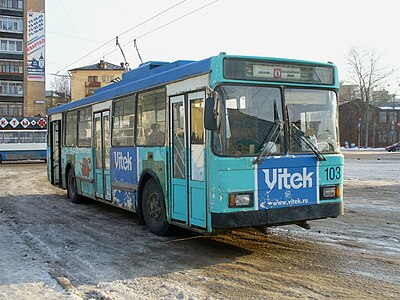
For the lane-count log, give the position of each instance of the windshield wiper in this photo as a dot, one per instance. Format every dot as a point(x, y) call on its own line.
point(266, 143)
point(306, 141)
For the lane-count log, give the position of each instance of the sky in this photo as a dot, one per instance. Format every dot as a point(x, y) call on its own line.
point(81, 32)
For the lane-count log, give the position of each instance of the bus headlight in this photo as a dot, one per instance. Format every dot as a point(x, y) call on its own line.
point(242, 199)
point(330, 192)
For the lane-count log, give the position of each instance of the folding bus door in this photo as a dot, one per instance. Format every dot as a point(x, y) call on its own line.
point(102, 154)
point(187, 167)
point(55, 140)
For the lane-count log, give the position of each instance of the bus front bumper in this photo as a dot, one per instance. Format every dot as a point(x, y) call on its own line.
point(275, 217)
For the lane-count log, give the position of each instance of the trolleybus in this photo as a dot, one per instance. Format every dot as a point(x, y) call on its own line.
point(23, 139)
point(221, 143)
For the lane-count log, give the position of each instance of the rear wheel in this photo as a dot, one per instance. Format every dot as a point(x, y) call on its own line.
point(71, 187)
point(153, 207)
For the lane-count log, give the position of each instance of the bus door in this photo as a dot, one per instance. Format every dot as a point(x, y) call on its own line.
point(55, 143)
point(187, 167)
point(102, 144)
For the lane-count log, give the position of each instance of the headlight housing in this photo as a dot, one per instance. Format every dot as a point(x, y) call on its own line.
point(241, 199)
point(330, 192)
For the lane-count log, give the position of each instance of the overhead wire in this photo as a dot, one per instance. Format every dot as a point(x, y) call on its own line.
point(113, 39)
point(162, 26)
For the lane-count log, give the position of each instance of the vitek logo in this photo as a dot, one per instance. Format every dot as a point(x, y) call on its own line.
point(286, 180)
point(123, 162)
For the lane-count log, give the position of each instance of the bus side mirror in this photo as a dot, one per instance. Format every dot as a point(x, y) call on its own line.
point(210, 120)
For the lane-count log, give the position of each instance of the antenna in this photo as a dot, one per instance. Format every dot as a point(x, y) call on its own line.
point(120, 48)
point(137, 50)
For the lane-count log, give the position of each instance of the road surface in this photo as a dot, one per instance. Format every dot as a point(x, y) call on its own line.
point(51, 248)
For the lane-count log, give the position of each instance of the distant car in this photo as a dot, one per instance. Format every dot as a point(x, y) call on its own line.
point(393, 148)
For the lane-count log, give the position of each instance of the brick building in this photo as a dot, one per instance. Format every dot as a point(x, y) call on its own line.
point(22, 58)
point(384, 125)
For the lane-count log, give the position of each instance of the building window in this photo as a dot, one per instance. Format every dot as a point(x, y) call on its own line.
point(107, 78)
point(11, 46)
point(12, 4)
point(10, 109)
point(11, 88)
point(11, 66)
point(382, 136)
point(392, 137)
point(93, 78)
point(382, 117)
point(151, 118)
point(392, 116)
point(11, 24)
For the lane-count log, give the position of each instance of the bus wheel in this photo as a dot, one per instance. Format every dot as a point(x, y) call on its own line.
point(71, 187)
point(154, 208)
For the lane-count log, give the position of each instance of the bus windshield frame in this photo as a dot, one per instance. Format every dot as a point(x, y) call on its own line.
point(269, 120)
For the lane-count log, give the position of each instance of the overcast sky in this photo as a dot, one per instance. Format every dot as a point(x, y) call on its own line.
point(305, 29)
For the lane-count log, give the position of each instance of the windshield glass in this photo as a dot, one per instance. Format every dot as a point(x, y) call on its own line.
point(312, 115)
point(251, 121)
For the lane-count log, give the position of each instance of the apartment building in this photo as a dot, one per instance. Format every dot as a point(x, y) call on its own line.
point(22, 58)
point(85, 80)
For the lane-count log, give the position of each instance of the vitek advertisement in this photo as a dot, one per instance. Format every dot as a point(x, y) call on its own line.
point(287, 182)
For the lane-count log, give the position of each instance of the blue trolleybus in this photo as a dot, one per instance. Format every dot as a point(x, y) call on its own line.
point(216, 144)
point(23, 139)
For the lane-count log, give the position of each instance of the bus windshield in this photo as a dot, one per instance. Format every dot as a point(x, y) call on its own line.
point(313, 121)
point(251, 117)
point(252, 121)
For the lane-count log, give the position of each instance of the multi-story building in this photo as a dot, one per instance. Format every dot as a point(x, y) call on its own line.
point(22, 68)
point(85, 80)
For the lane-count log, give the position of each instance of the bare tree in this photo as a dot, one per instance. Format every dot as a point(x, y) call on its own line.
point(367, 75)
point(61, 87)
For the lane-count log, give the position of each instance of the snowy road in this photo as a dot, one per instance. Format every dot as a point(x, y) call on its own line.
point(53, 249)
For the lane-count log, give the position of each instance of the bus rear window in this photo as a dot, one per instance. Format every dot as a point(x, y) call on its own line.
point(259, 70)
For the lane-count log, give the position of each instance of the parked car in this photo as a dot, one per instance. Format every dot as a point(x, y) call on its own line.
point(393, 148)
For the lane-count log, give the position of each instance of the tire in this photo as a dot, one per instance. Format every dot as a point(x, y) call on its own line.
point(153, 207)
point(71, 187)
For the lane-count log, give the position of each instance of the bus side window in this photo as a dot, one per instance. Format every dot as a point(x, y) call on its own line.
point(151, 118)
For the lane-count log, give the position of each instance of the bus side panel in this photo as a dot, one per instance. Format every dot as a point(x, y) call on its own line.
point(82, 159)
point(124, 177)
point(14, 155)
point(154, 159)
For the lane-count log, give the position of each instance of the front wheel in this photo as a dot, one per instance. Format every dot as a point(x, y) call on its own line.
point(71, 187)
point(153, 207)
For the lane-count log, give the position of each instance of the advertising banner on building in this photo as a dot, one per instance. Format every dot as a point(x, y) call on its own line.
point(35, 46)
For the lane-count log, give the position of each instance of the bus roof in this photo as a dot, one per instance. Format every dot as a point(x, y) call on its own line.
point(147, 75)
point(155, 73)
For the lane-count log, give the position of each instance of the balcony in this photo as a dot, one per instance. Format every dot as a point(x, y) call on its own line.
point(93, 84)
